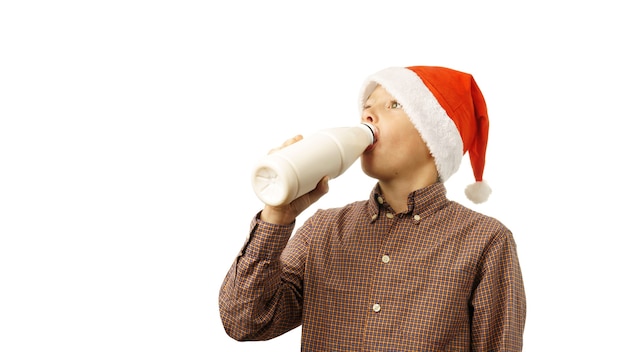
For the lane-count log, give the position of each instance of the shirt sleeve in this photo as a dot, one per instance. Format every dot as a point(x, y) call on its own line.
point(499, 302)
point(261, 295)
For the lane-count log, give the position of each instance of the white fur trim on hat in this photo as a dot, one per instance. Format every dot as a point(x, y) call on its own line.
point(433, 123)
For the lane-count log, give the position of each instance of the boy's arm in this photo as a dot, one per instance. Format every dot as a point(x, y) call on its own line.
point(261, 296)
point(499, 301)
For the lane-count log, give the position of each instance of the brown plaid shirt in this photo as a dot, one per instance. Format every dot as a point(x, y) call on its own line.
point(439, 277)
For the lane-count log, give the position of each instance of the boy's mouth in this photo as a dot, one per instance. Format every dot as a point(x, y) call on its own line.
point(371, 146)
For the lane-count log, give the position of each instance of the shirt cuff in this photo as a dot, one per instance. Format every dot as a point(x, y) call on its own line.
point(265, 239)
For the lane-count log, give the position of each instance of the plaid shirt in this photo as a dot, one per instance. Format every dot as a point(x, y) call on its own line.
point(439, 277)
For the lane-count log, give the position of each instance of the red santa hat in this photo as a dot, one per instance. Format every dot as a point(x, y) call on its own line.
point(448, 109)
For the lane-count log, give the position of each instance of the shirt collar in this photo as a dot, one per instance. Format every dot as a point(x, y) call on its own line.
point(422, 202)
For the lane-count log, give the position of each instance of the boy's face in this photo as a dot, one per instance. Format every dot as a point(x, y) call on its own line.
point(399, 152)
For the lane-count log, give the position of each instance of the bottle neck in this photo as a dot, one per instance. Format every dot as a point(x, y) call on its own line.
point(372, 130)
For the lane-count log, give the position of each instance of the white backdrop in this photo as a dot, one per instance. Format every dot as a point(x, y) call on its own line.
point(128, 130)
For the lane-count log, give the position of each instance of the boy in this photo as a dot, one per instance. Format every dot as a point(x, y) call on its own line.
point(406, 269)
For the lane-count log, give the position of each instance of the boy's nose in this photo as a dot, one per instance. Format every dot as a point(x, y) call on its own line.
point(368, 118)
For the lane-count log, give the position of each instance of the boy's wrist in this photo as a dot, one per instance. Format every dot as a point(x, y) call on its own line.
point(277, 216)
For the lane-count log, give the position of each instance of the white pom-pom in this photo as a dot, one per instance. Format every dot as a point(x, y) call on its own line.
point(478, 192)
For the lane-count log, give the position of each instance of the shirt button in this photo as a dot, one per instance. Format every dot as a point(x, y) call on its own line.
point(380, 200)
point(389, 215)
point(416, 217)
point(374, 216)
point(386, 259)
point(376, 308)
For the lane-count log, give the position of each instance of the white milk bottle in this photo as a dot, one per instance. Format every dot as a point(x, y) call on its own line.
point(294, 170)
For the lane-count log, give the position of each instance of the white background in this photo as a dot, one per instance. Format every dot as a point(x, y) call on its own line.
point(128, 130)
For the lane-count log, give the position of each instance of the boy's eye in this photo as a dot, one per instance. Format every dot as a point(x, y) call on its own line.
point(395, 105)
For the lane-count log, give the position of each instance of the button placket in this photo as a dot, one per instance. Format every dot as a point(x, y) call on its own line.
point(384, 258)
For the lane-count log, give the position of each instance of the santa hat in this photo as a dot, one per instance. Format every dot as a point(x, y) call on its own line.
point(449, 111)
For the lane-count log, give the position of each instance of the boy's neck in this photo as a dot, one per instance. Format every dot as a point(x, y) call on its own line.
point(396, 192)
